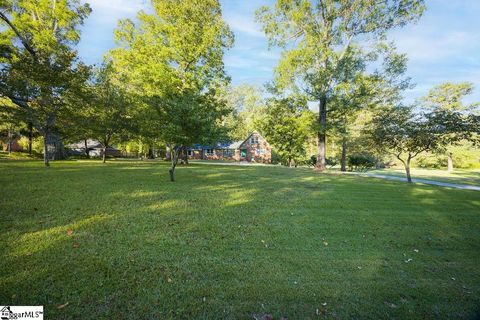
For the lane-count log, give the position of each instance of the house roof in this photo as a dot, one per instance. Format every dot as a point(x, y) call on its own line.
point(91, 144)
point(223, 145)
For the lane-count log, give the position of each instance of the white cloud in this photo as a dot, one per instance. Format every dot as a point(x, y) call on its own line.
point(245, 25)
point(428, 46)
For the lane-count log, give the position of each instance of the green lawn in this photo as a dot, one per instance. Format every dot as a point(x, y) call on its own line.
point(461, 176)
point(228, 242)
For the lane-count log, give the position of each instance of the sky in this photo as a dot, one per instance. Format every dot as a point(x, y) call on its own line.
point(443, 46)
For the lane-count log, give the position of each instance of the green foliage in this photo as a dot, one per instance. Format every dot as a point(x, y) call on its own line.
point(172, 60)
point(449, 96)
point(287, 126)
point(248, 110)
point(111, 115)
point(407, 134)
point(42, 75)
point(360, 162)
point(321, 41)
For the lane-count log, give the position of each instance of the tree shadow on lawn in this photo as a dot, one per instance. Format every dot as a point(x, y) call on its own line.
point(228, 242)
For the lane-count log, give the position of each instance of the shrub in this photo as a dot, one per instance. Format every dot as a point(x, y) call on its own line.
point(360, 162)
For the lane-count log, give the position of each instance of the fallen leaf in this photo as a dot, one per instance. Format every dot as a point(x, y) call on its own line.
point(325, 243)
point(324, 304)
point(416, 250)
point(76, 245)
point(453, 279)
point(62, 306)
point(408, 260)
point(391, 305)
point(169, 280)
point(69, 232)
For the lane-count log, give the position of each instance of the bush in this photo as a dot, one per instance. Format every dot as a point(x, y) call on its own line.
point(331, 161)
point(360, 162)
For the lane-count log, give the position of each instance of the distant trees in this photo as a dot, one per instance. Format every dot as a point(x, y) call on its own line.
point(248, 110)
point(449, 97)
point(287, 125)
point(318, 38)
point(406, 134)
point(173, 61)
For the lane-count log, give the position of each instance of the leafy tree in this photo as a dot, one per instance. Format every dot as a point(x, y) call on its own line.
point(248, 107)
point(40, 72)
point(359, 92)
point(288, 126)
point(110, 115)
point(449, 96)
point(318, 38)
point(173, 58)
point(407, 134)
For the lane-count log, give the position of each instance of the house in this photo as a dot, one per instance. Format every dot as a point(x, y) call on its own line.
point(95, 149)
point(253, 149)
point(5, 145)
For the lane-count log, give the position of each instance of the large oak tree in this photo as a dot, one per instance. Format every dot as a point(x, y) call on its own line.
point(317, 37)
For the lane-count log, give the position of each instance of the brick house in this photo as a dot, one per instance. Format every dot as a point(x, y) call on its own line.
point(253, 149)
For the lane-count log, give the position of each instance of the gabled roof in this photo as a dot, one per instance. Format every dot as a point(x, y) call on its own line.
point(224, 145)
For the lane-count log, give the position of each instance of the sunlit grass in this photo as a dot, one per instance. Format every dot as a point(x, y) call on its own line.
point(227, 242)
point(461, 176)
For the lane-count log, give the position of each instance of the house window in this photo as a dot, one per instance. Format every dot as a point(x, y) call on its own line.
point(189, 153)
point(209, 152)
point(243, 153)
point(253, 139)
point(260, 151)
point(228, 152)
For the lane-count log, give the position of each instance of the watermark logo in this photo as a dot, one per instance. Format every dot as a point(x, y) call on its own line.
point(21, 312)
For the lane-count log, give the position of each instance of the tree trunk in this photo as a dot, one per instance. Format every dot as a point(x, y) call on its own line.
point(185, 155)
point(450, 162)
point(45, 150)
point(9, 143)
point(30, 138)
point(407, 171)
point(322, 121)
point(87, 152)
point(343, 160)
point(104, 158)
point(150, 153)
point(174, 153)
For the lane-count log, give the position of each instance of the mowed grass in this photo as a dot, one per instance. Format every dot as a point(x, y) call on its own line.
point(461, 176)
point(118, 241)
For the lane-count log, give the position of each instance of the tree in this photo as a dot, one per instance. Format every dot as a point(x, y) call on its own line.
point(359, 92)
point(109, 115)
point(288, 126)
point(39, 69)
point(449, 96)
point(248, 107)
point(317, 37)
point(174, 59)
point(407, 134)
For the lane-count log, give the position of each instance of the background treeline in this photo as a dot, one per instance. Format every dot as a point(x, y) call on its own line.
point(335, 97)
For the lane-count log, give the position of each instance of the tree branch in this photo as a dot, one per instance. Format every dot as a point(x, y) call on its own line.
point(22, 38)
